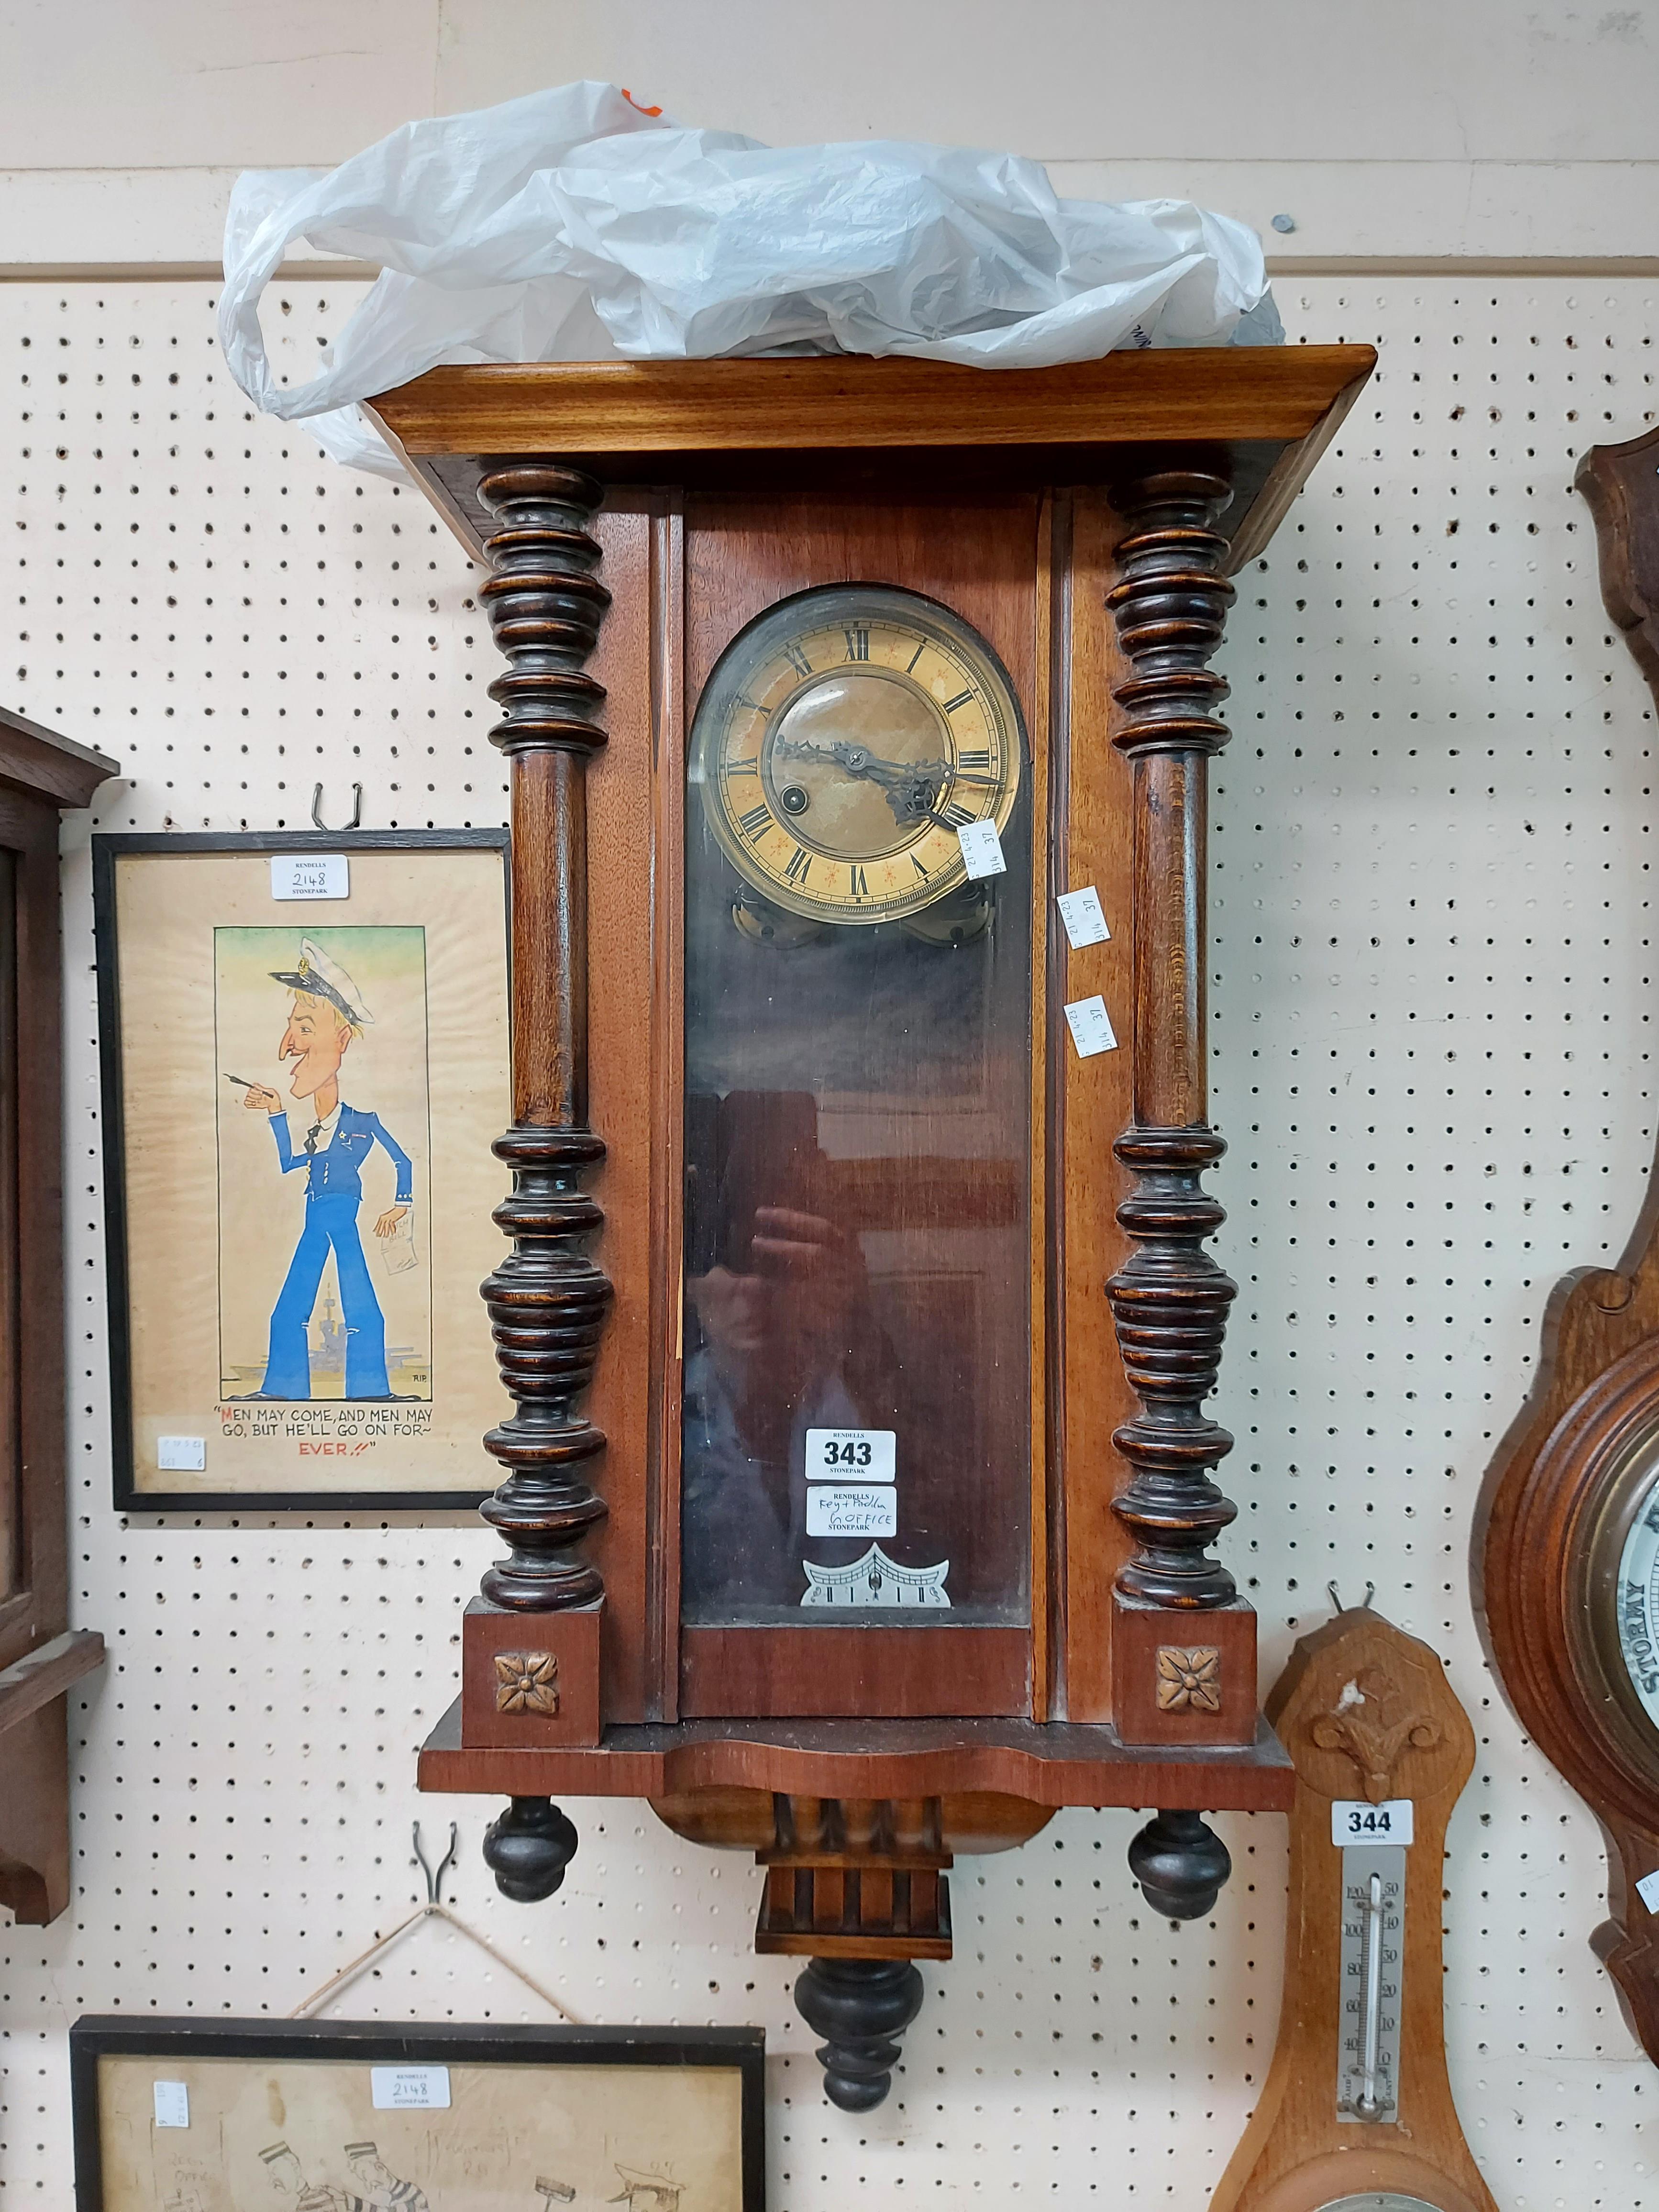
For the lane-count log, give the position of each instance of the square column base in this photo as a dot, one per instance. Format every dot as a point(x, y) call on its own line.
point(530, 1679)
point(1181, 1677)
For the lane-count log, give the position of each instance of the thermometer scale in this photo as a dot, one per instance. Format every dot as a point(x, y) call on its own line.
point(1371, 1956)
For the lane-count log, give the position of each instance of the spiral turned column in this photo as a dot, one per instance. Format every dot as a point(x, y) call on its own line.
point(1169, 1299)
point(548, 1300)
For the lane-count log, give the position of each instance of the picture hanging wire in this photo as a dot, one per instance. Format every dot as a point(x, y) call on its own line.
point(434, 1908)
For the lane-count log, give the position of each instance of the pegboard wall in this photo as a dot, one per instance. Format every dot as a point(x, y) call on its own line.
point(1433, 1063)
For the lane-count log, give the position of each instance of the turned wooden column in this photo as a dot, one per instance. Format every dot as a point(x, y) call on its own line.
point(547, 1300)
point(531, 1642)
point(1169, 1299)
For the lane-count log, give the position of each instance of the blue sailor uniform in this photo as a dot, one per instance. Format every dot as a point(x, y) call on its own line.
point(334, 1195)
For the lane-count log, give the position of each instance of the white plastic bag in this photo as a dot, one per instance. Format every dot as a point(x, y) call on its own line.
point(573, 225)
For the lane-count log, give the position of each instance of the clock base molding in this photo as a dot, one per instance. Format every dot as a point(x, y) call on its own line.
point(530, 1677)
point(1183, 1677)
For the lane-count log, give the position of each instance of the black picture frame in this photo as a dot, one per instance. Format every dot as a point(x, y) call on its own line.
point(106, 851)
point(374, 2042)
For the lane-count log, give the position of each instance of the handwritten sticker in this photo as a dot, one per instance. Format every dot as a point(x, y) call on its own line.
point(840, 1508)
point(310, 876)
point(171, 2104)
point(1354, 1821)
point(409, 2088)
point(186, 1454)
point(844, 1455)
point(1084, 920)
point(981, 849)
point(1092, 1030)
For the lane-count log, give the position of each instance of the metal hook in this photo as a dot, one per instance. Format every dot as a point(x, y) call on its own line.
point(434, 1877)
point(1365, 1603)
point(356, 821)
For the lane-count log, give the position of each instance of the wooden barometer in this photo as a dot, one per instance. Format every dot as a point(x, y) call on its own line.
point(1567, 1560)
point(1356, 2114)
point(837, 1525)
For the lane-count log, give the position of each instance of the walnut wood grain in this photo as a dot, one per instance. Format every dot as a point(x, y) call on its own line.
point(1266, 413)
point(1595, 1391)
point(1048, 1765)
point(547, 1300)
point(1364, 1712)
point(1259, 393)
point(817, 1671)
point(1169, 1299)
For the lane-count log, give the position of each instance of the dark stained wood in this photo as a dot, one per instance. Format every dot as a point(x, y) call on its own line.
point(1407, 1737)
point(1594, 1391)
point(1052, 1765)
point(42, 764)
point(39, 1656)
point(1169, 1299)
point(830, 1672)
point(547, 1301)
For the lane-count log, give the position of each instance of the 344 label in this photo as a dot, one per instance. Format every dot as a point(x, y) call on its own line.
point(1355, 1820)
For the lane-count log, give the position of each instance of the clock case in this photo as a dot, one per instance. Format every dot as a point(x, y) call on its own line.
point(1564, 1486)
point(631, 518)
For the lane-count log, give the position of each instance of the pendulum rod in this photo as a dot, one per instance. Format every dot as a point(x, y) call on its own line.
point(1169, 1299)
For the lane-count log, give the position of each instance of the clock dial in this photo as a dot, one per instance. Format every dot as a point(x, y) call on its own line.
point(844, 740)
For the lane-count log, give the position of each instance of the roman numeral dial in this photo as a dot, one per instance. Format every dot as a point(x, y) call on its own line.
point(843, 740)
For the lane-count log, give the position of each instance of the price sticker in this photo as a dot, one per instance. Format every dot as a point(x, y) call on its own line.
point(182, 1455)
point(845, 1509)
point(171, 2104)
point(409, 2088)
point(1090, 1026)
point(1085, 919)
point(1354, 1821)
point(851, 1455)
point(1648, 1890)
point(310, 876)
point(981, 849)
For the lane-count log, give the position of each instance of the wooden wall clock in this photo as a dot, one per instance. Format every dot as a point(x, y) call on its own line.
point(837, 1527)
point(1567, 1555)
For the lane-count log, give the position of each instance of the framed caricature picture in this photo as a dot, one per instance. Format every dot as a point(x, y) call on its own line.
point(305, 1064)
point(346, 2116)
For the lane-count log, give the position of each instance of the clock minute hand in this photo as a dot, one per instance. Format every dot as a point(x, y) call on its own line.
point(872, 768)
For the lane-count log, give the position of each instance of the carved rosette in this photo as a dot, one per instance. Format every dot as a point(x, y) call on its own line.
point(1169, 1299)
point(547, 1301)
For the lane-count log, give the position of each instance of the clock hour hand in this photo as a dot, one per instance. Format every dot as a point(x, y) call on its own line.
point(911, 789)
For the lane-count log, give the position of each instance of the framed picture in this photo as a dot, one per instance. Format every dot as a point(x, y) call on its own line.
point(305, 1064)
point(355, 2116)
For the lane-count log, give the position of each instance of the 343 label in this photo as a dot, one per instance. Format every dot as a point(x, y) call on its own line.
point(1354, 1821)
point(833, 1454)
